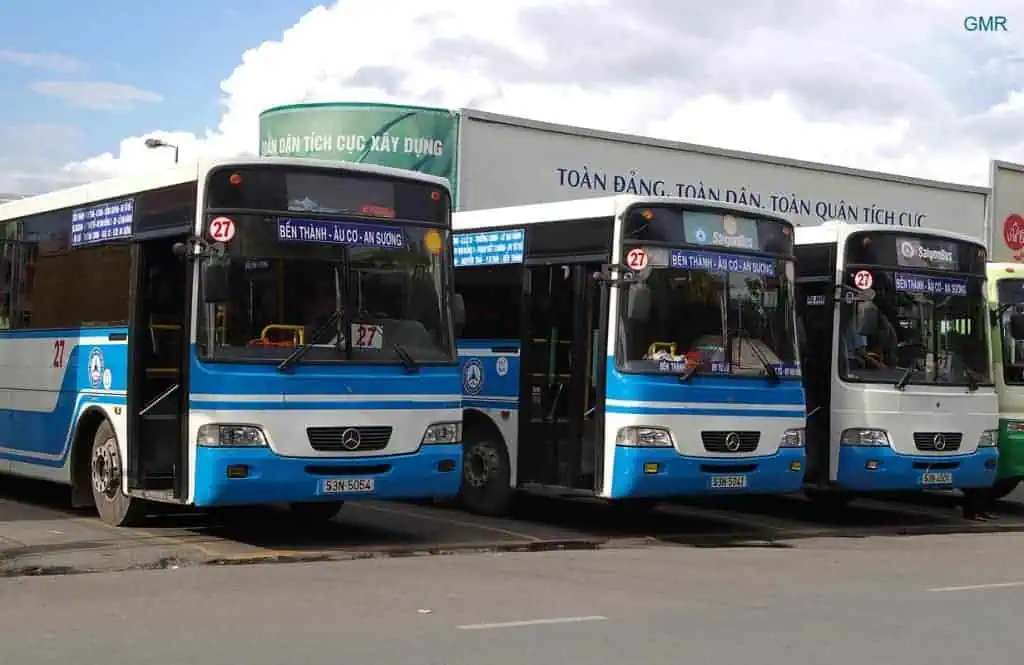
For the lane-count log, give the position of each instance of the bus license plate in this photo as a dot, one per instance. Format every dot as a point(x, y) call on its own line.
point(734, 482)
point(933, 478)
point(346, 485)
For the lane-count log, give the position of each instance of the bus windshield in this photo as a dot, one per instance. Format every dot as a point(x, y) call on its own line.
point(907, 327)
point(351, 303)
point(1011, 300)
point(355, 266)
point(713, 313)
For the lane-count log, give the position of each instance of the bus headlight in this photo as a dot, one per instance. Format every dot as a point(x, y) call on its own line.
point(231, 436)
point(858, 436)
point(442, 433)
point(792, 438)
point(644, 437)
point(989, 438)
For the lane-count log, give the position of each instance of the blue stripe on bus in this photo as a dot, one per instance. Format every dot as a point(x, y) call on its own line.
point(60, 333)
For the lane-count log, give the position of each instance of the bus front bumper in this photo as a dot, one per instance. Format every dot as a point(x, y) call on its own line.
point(871, 469)
point(245, 476)
point(662, 472)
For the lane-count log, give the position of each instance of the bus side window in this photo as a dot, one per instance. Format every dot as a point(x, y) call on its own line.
point(492, 296)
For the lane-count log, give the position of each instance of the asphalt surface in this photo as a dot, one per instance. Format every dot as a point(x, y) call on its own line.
point(835, 600)
point(40, 534)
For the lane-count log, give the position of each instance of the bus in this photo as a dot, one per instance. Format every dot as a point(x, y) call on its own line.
point(1006, 306)
point(896, 360)
point(236, 332)
point(628, 349)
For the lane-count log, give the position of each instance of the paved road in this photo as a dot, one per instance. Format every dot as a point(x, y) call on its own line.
point(839, 601)
point(39, 533)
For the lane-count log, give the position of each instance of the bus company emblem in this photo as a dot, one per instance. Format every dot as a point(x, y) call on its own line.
point(350, 438)
point(939, 442)
point(473, 376)
point(907, 249)
point(95, 367)
point(732, 442)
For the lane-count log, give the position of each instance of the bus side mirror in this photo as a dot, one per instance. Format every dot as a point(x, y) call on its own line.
point(1017, 326)
point(638, 302)
point(458, 313)
point(215, 283)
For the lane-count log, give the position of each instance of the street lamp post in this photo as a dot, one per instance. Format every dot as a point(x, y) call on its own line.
point(158, 143)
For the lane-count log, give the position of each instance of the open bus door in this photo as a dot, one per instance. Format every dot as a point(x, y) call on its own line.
point(815, 304)
point(158, 353)
point(561, 414)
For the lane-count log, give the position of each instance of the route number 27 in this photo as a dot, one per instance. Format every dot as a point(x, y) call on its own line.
point(58, 353)
point(367, 336)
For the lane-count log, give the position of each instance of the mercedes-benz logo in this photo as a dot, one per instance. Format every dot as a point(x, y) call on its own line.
point(732, 442)
point(939, 442)
point(350, 438)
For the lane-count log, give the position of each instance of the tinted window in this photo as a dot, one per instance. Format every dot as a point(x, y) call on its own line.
point(585, 236)
point(708, 227)
point(815, 260)
point(492, 297)
point(326, 191)
point(912, 251)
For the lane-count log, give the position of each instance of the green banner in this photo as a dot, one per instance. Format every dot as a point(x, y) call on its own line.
point(405, 137)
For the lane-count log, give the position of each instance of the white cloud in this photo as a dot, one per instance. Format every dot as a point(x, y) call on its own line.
point(895, 85)
point(54, 61)
point(97, 95)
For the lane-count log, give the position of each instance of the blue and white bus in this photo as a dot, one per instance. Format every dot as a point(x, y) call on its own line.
point(897, 368)
point(235, 332)
point(631, 349)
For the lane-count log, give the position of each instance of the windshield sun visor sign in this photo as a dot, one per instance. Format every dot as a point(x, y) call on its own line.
point(340, 233)
point(720, 262)
point(940, 286)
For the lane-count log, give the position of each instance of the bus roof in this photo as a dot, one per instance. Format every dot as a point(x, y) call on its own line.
point(118, 187)
point(587, 208)
point(836, 230)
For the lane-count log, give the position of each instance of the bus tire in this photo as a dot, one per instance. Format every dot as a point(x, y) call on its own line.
point(106, 474)
point(486, 474)
point(315, 512)
point(1002, 488)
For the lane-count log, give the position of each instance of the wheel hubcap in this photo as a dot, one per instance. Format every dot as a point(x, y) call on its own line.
point(106, 468)
point(480, 464)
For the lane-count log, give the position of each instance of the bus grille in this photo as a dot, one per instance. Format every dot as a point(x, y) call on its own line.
point(348, 439)
point(928, 441)
point(730, 442)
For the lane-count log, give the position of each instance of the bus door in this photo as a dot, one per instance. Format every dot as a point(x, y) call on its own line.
point(560, 442)
point(157, 366)
point(815, 302)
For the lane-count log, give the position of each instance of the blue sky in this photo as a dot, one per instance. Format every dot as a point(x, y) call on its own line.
point(180, 50)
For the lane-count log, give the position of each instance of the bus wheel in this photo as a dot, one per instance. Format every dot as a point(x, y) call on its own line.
point(106, 477)
point(485, 476)
point(315, 512)
point(1003, 487)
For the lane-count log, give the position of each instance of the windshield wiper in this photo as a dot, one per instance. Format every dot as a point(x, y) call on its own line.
point(411, 366)
point(301, 350)
point(972, 380)
point(687, 373)
point(773, 375)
